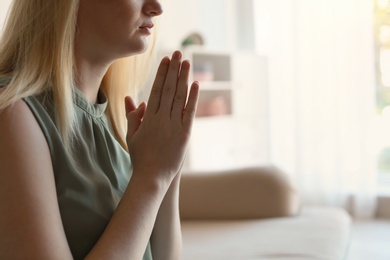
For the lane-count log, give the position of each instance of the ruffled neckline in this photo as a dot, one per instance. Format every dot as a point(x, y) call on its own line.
point(95, 110)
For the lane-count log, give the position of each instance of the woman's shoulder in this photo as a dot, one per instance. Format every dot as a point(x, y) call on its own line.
point(15, 110)
point(34, 107)
point(21, 137)
point(18, 121)
point(26, 178)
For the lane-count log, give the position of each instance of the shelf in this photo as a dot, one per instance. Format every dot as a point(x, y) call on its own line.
point(214, 103)
point(211, 67)
point(231, 125)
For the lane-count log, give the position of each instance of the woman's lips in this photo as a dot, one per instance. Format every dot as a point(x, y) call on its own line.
point(146, 28)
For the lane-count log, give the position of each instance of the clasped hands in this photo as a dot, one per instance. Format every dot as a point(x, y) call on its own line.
point(158, 133)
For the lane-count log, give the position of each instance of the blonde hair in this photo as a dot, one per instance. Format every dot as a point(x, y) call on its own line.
point(132, 71)
point(37, 55)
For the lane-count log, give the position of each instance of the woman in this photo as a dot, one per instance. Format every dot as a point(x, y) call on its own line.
point(65, 143)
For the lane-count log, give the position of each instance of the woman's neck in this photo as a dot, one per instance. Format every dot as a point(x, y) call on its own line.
point(89, 77)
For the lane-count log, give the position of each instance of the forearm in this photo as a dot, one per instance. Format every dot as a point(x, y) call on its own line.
point(157, 137)
point(130, 228)
point(166, 238)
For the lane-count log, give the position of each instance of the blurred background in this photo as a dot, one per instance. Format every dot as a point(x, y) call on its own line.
point(300, 84)
point(306, 89)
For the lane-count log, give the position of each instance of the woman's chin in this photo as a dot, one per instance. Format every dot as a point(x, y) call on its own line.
point(132, 49)
point(139, 47)
point(142, 47)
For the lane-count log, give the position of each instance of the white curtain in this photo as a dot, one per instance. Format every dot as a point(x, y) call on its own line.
point(322, 98)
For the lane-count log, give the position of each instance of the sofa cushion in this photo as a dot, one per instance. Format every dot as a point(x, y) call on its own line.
point(243, 193)
point(315, 233)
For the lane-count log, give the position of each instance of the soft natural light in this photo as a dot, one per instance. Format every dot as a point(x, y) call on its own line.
point(383, 146)
point(385, 34)
point(383, 3)
point(323, 96)
point(385, 67)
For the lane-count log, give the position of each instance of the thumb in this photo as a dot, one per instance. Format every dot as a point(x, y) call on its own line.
point(134, 118)
point(129, 104)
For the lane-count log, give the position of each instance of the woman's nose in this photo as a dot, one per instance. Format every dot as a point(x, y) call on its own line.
point(153, 8)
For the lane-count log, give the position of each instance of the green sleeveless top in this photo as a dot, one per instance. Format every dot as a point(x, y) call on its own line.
point(89, 193)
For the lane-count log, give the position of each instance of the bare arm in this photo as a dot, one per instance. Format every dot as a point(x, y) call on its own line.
point(30, 221)
point(166, 238)
point(157, 138)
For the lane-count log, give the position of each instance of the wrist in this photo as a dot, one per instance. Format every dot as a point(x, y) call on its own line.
point(149, 181)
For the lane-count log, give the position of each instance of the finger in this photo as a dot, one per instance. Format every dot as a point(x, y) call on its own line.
point(155, 94)
point(170, 85)
point(134, 119)
point(129, 104)
point(141, 108)
point(180, 98)
point(189, 111)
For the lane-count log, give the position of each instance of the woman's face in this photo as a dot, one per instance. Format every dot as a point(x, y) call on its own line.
point(112, 29)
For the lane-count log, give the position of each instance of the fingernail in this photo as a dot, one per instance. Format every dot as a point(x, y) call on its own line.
point(165, 60)
point(186, 64)
point(177, 55)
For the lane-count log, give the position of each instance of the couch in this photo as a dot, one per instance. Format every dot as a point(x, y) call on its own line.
point(254, 213)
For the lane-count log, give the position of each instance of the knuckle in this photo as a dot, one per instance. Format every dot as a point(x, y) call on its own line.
point(169, 89)
point(190, 112)
point(179, 98)
point(156, 91)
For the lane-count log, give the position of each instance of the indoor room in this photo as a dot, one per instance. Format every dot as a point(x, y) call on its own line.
point(289, 154)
